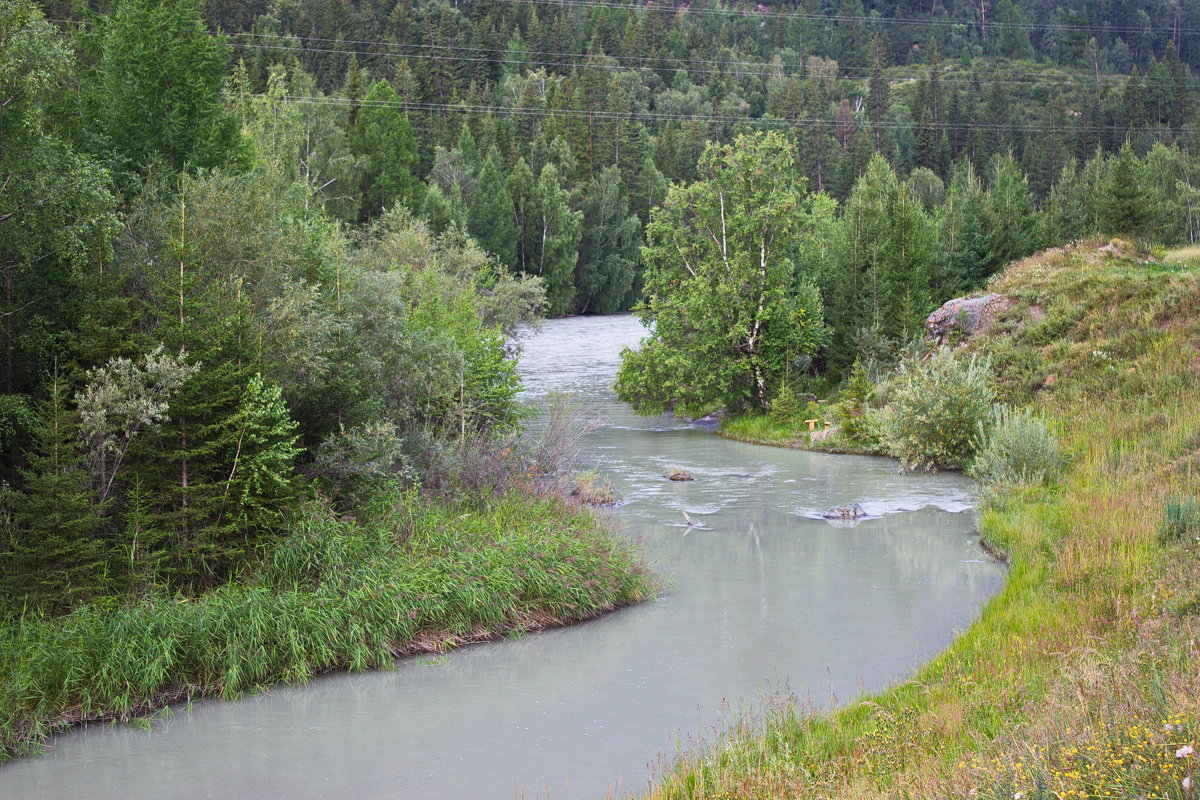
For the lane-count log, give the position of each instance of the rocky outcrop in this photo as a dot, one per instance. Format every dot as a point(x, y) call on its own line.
point(963, 318)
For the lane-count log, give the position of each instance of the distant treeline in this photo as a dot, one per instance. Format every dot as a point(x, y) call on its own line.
point(457, 109)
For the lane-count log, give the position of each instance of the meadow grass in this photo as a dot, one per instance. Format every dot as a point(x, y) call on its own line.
point(1081, 678)
point(336, 594)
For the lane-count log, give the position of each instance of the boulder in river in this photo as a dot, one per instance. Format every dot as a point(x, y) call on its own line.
point(709, 419)
point(679, 474)
point(852, 511)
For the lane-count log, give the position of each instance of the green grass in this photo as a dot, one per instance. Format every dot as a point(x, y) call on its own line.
point(762, 429)
point(335, 595)
point(1076, 668)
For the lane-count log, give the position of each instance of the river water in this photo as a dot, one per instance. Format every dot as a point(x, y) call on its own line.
point(766, 597)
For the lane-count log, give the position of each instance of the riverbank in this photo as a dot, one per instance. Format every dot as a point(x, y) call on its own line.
point(762, 429)
point(1081, 678)
point(336, 594)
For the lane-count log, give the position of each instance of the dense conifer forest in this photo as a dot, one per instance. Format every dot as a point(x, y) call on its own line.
point(262, 261)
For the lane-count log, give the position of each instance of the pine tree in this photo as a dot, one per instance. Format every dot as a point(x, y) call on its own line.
point(492, 220)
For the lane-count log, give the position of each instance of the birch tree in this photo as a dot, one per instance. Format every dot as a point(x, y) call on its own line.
point(723, 296)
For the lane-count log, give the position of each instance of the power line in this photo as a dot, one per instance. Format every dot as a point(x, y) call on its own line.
point(1070, 81)
point(864, 18)
point(743, 67)
point(638, 116)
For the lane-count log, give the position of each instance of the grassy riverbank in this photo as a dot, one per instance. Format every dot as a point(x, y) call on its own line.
point(762, 429)
point(336, 594)
point(1082, 677)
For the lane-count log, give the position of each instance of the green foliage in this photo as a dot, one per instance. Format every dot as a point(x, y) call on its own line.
point(851, 411)
point(333, 594)
point(54, 552)
point(160, 76)
point(608, 251)
point(1007, 218)
point(1016, 448)
point(1181, 520)
point(556, 233)
point(438, 211)
point(785, 405)
point(57, 215)
point(492, 220)
point(1125, 207)
point(934, 411)
point(722, 291)
point(881, 275)
point(383, 137)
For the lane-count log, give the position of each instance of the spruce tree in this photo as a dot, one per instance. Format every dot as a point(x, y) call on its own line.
point(1008, 218)
point(160, 75)
point(384, 139)
point(56, 553)
point(878, 88)
point(492, 220)
point(1125, 206)
point(438, 211)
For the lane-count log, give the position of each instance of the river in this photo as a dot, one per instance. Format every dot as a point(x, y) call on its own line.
point(765, 597)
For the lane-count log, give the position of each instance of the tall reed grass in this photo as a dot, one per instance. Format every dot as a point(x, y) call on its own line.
point(336, 594)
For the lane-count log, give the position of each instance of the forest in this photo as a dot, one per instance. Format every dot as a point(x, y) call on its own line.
point(263, 262)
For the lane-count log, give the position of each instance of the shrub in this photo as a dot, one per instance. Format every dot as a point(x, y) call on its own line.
point(935, 410)
point(1181, 520)
point(852, 410)
point(785, 406)
point(1015, 447)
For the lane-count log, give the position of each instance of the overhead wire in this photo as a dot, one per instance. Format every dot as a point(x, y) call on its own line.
point(766, 69)
point(862, 18)
point(636, 116)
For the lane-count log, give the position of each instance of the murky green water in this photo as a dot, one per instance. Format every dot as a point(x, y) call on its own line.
point(765, 596)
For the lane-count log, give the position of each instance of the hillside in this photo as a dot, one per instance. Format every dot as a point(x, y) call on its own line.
point(1080, 679)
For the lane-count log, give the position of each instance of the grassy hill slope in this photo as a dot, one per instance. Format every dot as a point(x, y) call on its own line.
point(1082, 677)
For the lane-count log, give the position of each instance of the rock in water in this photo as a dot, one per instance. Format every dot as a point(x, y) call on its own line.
point(852, 511)
point(678, 474)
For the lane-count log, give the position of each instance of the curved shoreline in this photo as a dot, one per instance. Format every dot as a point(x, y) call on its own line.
point(1089, 642)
